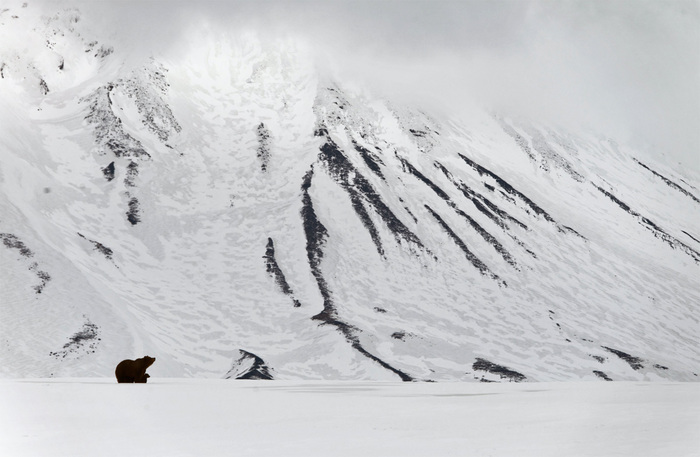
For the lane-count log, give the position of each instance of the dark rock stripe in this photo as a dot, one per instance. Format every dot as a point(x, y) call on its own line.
point(519, 139)
point(669, 182)
point(134, 213)
point(107, 252)
point(634, 362)
point(411, 169)
point(473, 259)
point(651, 226)
point(13, 242)
point(371, 160)
point(602, 375)
point(483, 204)
point(263, 135)
point(316, 236)
point(360, 191)
point(488, 238)
point(691, 236)
point(475, 225)
point(503, 372)
point(508, 188)
point(276, 273)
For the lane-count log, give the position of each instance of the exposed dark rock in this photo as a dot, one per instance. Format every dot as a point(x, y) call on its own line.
point(473, 259)
point(489, 238)
point(361, 191)
point(691, 236)
point(565, 229)
point(12, 242)
point(475, 225)
point(508, 188)
point(399, 335)
point(133, 215)
point(108, 171)
point(652, 227)
point(316, 236)
point(411, 169)
point(371, 160)
point(249, 366)
point(104, 250)
point(598, 358)
point(483, 204)
point(85, 341)
point(380, 310)
point(132, 172)
point(147, 88)
point(634, 362)
point(263, 146)
point(43, 87)
point(42, 275)
point(519, 139)
point(602, 375)
point(503, 372)
point(668, 182)
point(276, 273)
point(108, 129)
point(548, 154)
point(660, 367)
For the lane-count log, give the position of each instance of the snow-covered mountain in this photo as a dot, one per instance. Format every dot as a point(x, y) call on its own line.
point(235, 212)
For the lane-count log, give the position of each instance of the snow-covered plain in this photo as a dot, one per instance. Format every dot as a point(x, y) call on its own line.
point(194, 417)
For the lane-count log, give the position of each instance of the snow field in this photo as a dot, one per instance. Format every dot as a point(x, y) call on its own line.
point(194, 417)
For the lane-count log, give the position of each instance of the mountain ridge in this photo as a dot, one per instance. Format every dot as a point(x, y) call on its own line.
point(243, 207)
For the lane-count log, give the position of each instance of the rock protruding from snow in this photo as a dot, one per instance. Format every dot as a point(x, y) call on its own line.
point(249, 366)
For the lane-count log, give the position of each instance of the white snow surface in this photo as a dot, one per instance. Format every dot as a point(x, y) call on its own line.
point(188, 417)
point(218, 148)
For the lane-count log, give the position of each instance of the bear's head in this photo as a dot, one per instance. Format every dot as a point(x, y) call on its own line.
point(148, 361)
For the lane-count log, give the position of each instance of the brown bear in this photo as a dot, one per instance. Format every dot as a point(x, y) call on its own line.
point(134, 370)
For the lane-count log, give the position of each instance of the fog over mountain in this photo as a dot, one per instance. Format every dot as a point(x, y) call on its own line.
point(416, 191)
point(622, 68)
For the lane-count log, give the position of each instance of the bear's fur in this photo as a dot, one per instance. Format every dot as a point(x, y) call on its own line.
point(134, 370)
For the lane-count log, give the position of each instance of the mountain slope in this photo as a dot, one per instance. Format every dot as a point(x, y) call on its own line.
point(230, 199)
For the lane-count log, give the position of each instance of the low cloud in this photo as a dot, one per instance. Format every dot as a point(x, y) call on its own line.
point(628, 69)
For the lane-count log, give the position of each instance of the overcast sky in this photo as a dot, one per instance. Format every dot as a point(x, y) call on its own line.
point(629, 68)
